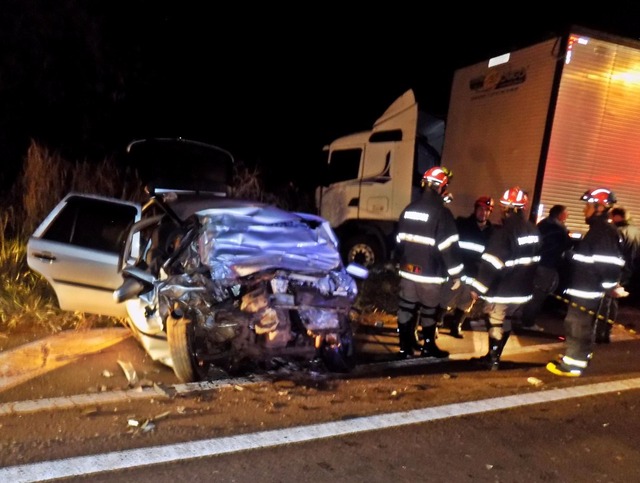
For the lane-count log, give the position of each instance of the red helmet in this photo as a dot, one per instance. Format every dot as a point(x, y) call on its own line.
point(437, 176)
point(600, 196)
point(484, 201)
point(514, 198)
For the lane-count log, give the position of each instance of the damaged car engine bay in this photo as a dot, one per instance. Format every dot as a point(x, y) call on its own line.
point(232, 282)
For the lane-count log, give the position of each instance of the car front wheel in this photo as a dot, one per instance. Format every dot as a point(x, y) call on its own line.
point(180, 348)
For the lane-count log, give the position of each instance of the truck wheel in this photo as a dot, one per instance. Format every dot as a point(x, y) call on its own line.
point(362, 249)
point(180, 348)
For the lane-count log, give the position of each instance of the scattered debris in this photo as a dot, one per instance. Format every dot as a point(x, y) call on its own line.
point(133, 422)
point(164, 415)
point(107, 373)
point(534, 381)
point(129, 372)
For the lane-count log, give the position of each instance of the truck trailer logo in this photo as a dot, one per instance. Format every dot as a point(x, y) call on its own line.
point(494, 80)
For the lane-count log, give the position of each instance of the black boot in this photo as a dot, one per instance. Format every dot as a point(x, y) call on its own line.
point(429, 348)
point(603, 331)
point(406, 337)
point(441, 313)
point(415, 340)
point(491, 360)
point(459, 317)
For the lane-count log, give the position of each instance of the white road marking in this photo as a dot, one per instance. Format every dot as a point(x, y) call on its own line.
point(80, 400)
point(119, 460)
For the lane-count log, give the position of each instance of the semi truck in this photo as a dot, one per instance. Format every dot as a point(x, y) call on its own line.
point(556, 118)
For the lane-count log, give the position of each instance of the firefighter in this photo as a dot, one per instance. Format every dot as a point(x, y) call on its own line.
point(474, 231)
point(506, 272)
point(596, 266)
point(428, 257)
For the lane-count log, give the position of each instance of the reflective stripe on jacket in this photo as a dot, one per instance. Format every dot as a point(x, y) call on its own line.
point(428, 241)
point(509, 262)
point(597, 262)
point(473, 242)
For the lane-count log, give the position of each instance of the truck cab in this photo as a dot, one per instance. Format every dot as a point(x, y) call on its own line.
point(372, 176)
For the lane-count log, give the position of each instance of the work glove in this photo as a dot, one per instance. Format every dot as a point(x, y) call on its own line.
point(455, 285)
point(618, 292)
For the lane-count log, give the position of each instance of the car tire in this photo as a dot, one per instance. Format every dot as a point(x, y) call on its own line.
point(180, 348)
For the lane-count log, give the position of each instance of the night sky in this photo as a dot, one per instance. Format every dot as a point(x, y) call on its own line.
point(271, 84)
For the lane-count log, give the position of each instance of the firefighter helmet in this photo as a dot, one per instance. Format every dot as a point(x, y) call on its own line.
point(599, 196)
point(437, 176)
point(484, 201)
point(514, 198)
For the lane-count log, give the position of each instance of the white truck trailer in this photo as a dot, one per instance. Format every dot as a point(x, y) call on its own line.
point(556, 118)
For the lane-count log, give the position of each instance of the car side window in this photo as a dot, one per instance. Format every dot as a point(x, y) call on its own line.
point(91, 223)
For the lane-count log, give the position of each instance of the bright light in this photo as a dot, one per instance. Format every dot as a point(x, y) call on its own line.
point(630, 77)
point(572, 40)
point(540, 213)
point(501, 59)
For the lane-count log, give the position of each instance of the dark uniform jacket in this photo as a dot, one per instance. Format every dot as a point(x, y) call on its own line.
point(473, 242)
point(555, 241)
point(596, 263)
point(509, 263)
point(630, 239)
point(428, 241)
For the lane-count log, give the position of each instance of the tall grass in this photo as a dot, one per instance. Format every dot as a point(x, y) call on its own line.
point(26, 299)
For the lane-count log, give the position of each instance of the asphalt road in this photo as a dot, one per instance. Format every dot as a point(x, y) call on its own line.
point(388, 420)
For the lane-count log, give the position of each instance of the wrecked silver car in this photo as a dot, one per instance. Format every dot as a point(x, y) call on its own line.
point(208, 283)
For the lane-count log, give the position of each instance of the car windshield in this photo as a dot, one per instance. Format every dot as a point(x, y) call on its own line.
point(176, 164)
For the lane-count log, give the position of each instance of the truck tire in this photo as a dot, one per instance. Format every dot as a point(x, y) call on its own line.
point(362, 249)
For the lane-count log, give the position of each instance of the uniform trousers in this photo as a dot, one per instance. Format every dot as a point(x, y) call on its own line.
point(578, 328)
point(499, 321)
point(418, 299)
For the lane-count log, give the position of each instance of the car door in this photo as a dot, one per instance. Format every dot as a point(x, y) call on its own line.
point(76, 249)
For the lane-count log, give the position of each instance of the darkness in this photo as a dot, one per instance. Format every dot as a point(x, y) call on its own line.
point(271, 84)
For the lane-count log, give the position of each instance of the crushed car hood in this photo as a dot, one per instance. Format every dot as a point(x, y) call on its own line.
point(239, 240)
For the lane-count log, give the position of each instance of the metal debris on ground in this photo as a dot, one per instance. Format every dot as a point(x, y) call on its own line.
point(129, 372)
point(147, 426)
